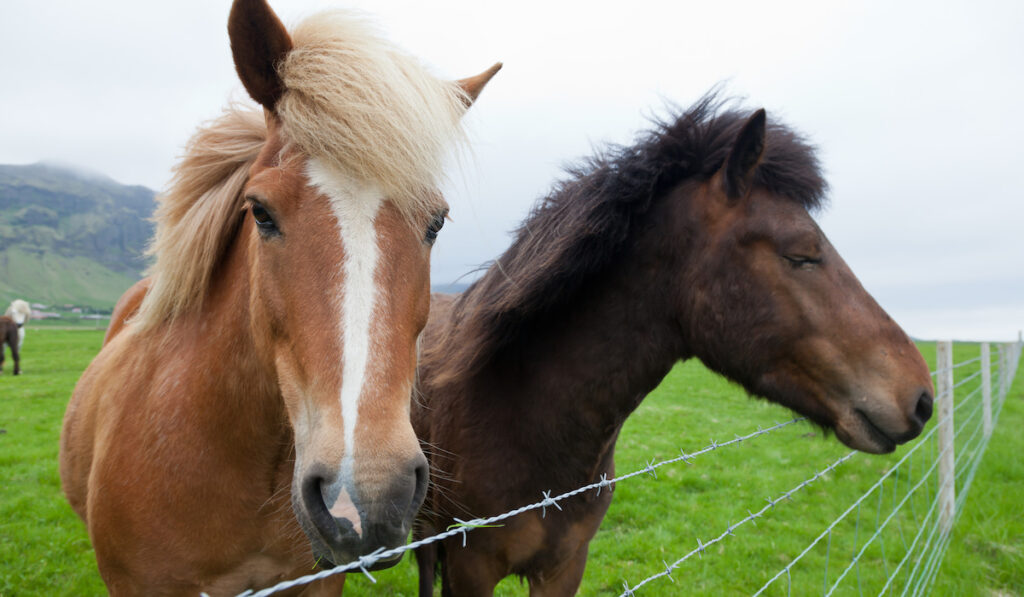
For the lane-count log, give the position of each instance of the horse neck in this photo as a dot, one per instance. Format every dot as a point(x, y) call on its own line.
point(576, 376)
point(220, 342)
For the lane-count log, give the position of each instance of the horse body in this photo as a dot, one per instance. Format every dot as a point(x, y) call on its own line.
point(247, 418)
point(9, 330)
point(20, 312)
point(697, 242)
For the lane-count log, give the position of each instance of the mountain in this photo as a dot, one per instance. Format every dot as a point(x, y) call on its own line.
point(70, 237)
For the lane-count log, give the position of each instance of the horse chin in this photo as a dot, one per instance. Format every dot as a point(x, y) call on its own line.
point(346, 549)
point(385, 564)
point(858, 432)
point(326, 561)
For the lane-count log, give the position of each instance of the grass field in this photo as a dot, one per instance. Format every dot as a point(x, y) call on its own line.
point(44, 549)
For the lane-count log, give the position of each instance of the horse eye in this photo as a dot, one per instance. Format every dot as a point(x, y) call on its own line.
point(264, 222)
point(435, 226)
point(800, 261)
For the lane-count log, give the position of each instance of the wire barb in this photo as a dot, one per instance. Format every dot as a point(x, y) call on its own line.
point(548, 501)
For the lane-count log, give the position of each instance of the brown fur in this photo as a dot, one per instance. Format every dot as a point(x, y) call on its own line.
point(9, 336)
point(204, 447)
point(681, 246)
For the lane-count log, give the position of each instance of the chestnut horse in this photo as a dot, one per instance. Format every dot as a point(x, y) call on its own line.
point(250, 421)
point(695, 242)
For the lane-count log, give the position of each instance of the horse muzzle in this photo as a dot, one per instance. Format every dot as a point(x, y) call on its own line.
point(875, 430)
point(343, 524)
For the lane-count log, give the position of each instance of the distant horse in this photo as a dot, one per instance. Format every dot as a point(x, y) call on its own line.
point(247, 419)
point(9, 335)
point(695, 242)
point(20, 312)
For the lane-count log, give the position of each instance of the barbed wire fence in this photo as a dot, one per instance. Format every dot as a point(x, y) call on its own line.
point(891, 538)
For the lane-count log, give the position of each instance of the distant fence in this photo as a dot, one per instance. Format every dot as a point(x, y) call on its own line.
point(903, 520)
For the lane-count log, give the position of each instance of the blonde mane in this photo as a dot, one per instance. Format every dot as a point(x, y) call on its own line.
point(351, 100)
point(366, 108)
point(197, 217)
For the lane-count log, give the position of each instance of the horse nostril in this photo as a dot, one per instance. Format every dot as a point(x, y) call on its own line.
point(923, 411)
point(313, 499)
point(422, 471)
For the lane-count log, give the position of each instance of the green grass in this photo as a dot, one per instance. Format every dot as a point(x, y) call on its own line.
point(44, 549)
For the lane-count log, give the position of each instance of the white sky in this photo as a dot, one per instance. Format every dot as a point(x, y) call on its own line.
point(915, 107)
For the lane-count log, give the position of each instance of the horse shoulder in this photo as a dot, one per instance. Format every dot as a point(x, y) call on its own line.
point(94, 413)
point(78, 434)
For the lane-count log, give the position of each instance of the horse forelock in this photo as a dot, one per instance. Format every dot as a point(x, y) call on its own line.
point(367, 109)
point(578, 229)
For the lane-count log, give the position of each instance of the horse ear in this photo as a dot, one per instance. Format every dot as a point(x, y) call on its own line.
point(259, 42)
point(744, 156)
point(474, 85)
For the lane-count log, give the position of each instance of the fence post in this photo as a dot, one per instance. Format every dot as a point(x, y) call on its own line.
point(999, 371)
point(1016, 354)
point(1004, 369)
point(986, 389)
point(1014, 358)
point(947, 470)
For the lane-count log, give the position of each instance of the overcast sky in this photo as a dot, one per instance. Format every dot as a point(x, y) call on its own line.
point(915, 106)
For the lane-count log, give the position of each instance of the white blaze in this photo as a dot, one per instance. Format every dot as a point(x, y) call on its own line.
point(355, 208)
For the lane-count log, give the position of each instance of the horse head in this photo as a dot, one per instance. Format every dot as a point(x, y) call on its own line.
point(771, 303)
point(19, 311)
point(341, 210)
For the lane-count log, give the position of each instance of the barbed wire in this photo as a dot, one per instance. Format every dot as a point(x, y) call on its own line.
point(465, 526)
point(630, 591)
point(367, 561)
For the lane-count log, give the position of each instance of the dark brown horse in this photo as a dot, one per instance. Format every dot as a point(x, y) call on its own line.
point(9, 335)
point(695, 242)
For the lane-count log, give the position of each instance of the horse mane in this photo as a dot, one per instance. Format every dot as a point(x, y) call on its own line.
point(577, 230)
point(351, 100)
point(199, 214)
point(360, 104)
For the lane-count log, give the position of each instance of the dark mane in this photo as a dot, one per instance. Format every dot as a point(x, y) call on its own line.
point(574, 232)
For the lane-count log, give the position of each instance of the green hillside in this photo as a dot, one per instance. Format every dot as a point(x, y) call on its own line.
point(68, 237)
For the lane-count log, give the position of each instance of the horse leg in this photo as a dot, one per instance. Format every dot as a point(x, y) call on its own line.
point(426, 564)
point(563, 580)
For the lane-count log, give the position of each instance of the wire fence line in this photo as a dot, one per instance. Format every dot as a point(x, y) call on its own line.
point(669, 568)
point(916, 506)
point(367, 561)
